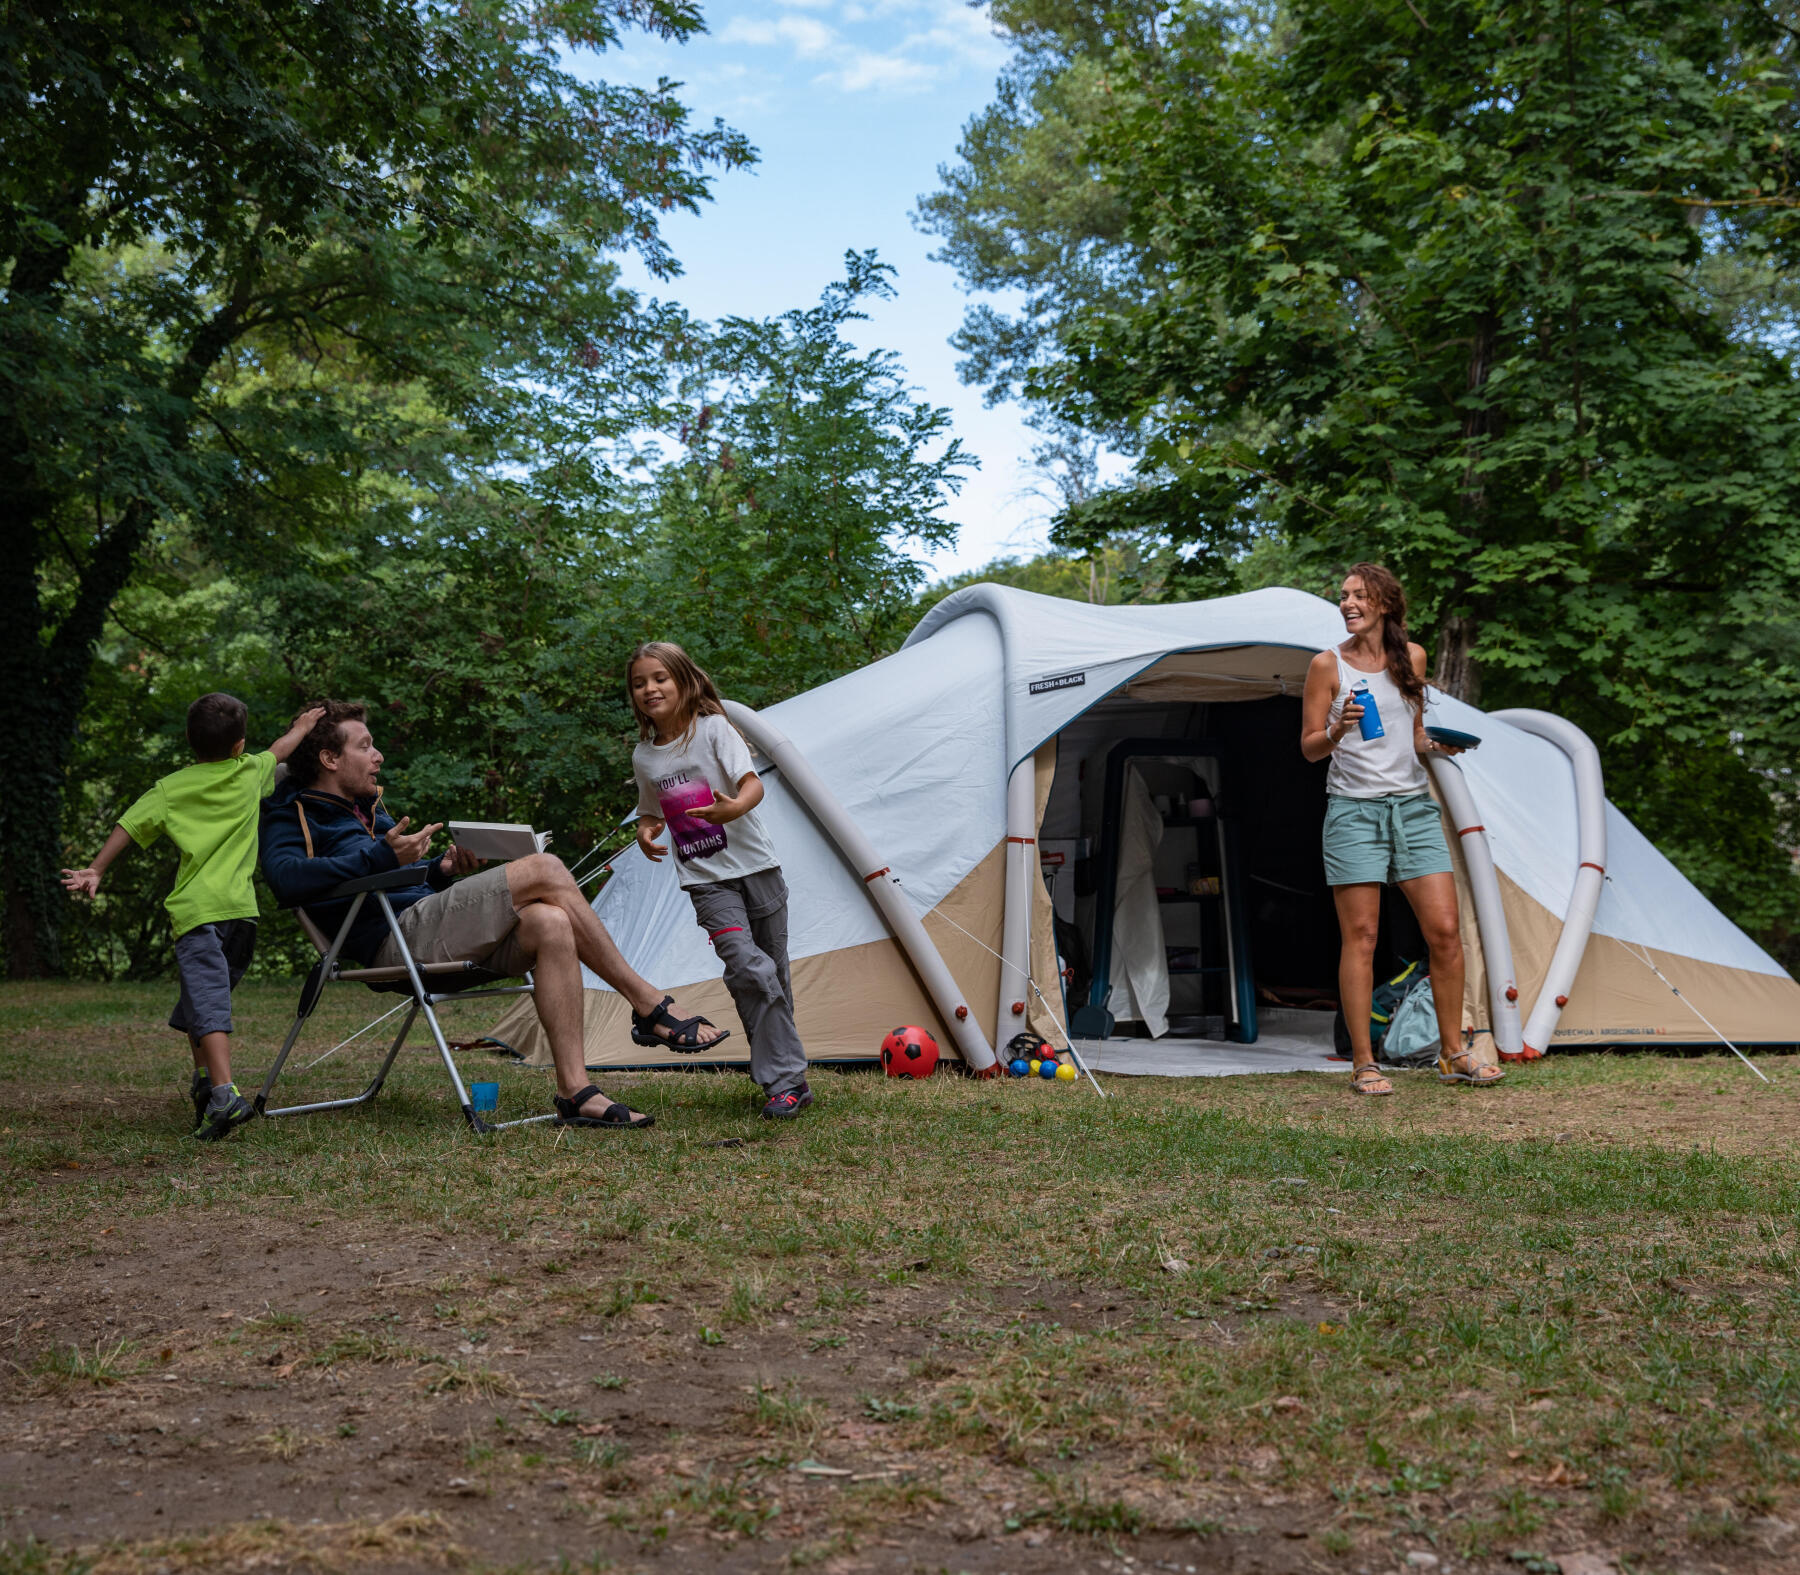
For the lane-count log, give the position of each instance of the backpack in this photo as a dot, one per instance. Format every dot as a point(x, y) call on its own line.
point(1412, 1036)
point(1383, 1004)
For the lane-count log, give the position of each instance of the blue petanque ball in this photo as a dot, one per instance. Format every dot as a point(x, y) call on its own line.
point(1020, 1068)
point(1047, 1069)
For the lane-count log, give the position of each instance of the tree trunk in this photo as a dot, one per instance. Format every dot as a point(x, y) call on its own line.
point(1457, 672)
point(44, 672)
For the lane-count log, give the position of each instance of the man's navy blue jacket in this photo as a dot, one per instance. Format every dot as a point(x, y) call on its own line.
point(312, 840)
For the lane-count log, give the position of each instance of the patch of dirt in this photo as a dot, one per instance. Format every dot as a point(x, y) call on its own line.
point(272, 1395)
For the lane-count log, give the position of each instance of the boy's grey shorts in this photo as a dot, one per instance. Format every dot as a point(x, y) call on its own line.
point(211, 959)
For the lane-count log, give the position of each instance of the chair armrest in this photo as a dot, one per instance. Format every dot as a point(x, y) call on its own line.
point(387, 880)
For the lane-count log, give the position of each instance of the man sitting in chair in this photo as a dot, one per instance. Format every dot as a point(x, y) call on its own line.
point(325, 825)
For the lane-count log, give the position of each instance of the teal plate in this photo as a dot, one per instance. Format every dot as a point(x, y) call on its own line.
point(1450, 736)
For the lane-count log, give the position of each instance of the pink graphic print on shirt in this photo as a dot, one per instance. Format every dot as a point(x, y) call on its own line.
point(693, 839)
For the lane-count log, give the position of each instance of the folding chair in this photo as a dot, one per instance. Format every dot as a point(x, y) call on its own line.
point(471, 981)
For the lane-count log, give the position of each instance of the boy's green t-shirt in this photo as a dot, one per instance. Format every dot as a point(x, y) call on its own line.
point(209, 811)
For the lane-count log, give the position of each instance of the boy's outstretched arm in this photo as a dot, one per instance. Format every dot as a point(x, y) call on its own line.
point(290, 740)
point(84, 883)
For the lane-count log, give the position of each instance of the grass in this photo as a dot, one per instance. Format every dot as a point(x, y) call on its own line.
point(1564, 1309)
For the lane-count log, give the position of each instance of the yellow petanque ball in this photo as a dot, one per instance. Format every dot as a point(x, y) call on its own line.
point(1065, 1074)
point(1034, 1067)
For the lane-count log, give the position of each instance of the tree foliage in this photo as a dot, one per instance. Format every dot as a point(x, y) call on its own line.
point(483, 596)
point(1493, 292)
point(228, 233)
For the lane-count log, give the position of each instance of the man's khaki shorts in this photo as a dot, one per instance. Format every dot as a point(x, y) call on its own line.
point(473, 919)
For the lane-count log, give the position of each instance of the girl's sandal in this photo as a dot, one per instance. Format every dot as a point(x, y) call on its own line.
point(1462, 1068)
point(1368, 1080)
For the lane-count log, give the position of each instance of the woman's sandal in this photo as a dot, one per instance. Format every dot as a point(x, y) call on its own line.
point(568, 1112)
point(1461, 1068)
point(684, 1032)
point(1368, 1080)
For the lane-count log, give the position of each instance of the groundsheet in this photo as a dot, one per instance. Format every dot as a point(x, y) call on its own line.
point(1288, 1041)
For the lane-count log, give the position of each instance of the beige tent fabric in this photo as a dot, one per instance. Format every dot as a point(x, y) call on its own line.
point(1617, 999)
point(845, 1001)
point(1240, 672)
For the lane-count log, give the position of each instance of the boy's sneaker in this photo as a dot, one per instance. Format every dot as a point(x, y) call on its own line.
point(200, 1091)
point(784, 1107)
point(226, 1109)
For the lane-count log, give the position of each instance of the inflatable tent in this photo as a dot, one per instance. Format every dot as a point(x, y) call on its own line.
point(1039, 809)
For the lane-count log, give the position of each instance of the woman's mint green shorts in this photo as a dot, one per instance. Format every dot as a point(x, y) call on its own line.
point(1397, 837)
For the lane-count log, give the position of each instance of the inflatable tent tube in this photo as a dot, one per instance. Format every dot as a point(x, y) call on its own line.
point(884, 891)
point(1590, 877)
point(1010, 1015)
point(1490, 914)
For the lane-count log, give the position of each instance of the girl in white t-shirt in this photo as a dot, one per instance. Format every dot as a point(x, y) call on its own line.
point(696, 780)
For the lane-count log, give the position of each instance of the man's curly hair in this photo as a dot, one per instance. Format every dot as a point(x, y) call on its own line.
point(326, 734)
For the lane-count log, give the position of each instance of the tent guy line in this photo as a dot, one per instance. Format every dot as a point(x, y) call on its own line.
point(938, 913)
point(1643, 956)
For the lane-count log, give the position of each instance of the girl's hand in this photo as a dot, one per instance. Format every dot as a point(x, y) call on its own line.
point(718, 812)
point(81, 883)
point(647, 832)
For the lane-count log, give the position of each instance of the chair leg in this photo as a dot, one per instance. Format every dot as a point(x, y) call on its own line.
point(363, 1098)
point(287, 1045)
point(423, 997)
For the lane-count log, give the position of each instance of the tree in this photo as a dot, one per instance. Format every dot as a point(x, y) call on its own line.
point(186, 192)
point(1436, 287)
point(480, 589)
point(776, 537)
point(1025, 208)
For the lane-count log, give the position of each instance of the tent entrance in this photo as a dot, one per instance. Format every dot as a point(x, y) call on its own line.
point(1213, 818)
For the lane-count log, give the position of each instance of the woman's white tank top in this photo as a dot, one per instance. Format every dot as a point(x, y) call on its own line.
point(1374, 767)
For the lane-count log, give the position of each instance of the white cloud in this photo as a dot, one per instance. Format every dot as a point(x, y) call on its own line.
point(882, 46)
point(895, 73)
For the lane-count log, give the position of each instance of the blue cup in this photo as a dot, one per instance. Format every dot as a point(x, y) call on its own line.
point(1370, 720)
point(484, 1096)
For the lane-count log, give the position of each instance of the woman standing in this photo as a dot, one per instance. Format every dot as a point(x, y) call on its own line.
point(1381, 823)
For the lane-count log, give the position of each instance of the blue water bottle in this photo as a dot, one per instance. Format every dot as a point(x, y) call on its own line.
point(1370, 720)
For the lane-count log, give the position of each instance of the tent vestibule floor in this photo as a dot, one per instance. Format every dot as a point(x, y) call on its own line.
point(1289, 1041)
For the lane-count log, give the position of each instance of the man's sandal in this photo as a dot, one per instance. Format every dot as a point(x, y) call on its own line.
point(568, 1112)
point(1368, 1080)
point(683, 1035)
point(1461, 1068)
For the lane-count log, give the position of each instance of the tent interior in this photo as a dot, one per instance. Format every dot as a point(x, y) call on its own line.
point(1184, 796)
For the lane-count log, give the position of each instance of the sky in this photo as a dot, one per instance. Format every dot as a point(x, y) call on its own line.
point(852, 106)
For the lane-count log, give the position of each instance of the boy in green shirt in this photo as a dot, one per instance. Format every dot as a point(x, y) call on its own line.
point(209, 811)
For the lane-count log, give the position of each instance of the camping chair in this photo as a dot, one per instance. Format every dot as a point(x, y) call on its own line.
point(463, 980)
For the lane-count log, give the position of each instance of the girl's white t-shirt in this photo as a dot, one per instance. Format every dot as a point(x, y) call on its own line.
point(691, 772)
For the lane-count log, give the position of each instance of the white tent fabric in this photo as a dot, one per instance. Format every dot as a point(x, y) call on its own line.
point(918, 747)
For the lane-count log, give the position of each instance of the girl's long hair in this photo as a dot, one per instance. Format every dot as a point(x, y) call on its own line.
point(699, 695)
point(1382, 584)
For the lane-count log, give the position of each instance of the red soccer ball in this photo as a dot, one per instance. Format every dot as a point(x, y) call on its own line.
point(909, 1052)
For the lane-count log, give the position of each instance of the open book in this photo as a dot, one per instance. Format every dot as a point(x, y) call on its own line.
point(489, 840)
